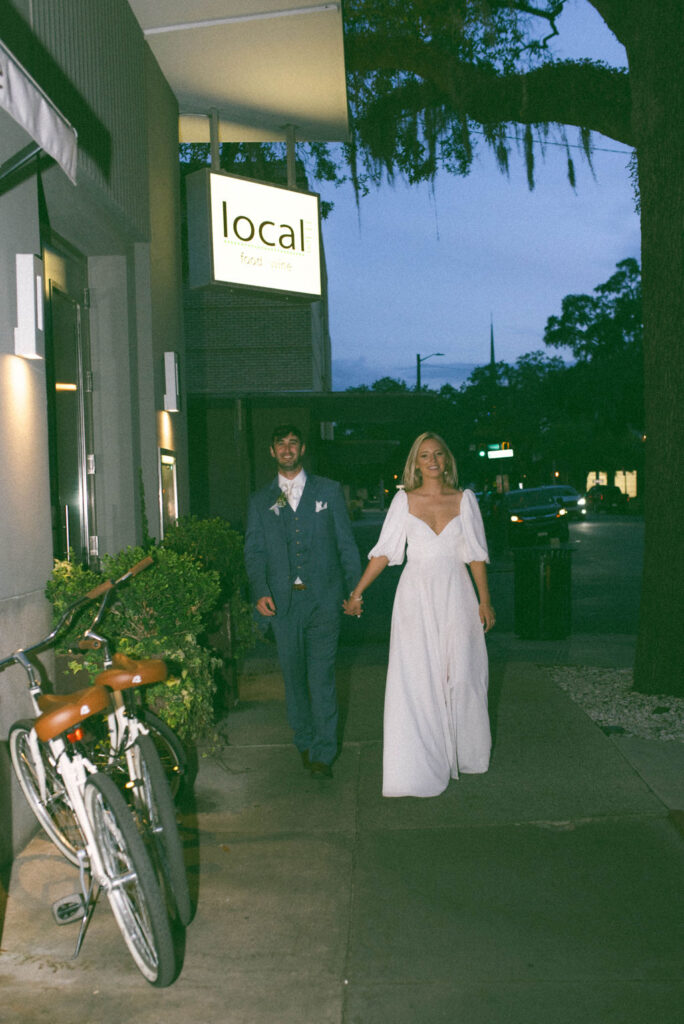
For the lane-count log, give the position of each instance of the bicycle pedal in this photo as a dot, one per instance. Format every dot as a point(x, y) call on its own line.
point(69, 909)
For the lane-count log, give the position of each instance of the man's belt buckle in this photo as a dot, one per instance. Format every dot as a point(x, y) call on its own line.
point(299, 586)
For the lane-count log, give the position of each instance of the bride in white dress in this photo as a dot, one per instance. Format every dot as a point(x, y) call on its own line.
point(436, 719)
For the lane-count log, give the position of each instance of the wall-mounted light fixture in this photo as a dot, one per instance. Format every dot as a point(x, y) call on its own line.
point(29, 334)
point(171, 382)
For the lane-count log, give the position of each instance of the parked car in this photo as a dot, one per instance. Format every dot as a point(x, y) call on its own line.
point(535, 515)
point(570, 499)
point(606, 498)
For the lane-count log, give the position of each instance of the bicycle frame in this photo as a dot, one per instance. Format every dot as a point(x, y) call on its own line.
point(106, 843)
point(128, 736)
point(74, 768)
point(124, 725)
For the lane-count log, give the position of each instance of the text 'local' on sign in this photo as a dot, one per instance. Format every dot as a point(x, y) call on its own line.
point(263, 236)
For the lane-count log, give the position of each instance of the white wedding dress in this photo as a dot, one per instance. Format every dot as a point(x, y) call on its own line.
point(436, 719)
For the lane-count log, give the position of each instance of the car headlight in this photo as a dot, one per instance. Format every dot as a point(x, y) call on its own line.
point(581, 501)
point(517, 519)
point(561, 512)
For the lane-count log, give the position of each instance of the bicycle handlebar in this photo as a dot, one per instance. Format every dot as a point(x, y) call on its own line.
point(144, 563)
point(98, 591)
point(102, 588)
point(106, 588)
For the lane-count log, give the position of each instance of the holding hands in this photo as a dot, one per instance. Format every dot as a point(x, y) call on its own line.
point(353, 605)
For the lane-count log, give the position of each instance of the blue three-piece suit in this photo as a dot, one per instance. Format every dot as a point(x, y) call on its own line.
point(314, 545)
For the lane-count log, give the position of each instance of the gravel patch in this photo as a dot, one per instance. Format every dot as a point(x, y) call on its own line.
point(607, 697)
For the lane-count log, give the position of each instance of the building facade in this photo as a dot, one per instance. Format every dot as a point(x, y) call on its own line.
point(84, 425)
point(92, 358)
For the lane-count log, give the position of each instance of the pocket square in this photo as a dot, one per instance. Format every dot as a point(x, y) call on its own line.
point(321, 505)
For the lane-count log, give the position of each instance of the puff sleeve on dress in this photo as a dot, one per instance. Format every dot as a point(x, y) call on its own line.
point(474, 542)
point(392, 541)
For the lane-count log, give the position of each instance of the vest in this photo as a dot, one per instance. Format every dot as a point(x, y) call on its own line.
point(298, 531)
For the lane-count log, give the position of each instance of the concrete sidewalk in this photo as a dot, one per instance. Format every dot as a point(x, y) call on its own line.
point(548, 891)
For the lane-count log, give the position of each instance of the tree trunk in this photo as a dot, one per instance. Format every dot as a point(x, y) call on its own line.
point(655, 54)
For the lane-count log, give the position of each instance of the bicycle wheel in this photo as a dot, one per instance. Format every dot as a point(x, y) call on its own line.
point(130, 882)
point(53, 811)
point(170, 749)
point(155, 804)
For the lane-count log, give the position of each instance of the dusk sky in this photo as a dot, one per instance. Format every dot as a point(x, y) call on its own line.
point(420, 271)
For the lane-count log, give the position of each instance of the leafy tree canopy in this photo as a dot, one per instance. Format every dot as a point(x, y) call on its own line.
point(384, 384)
point(602, 324)
point(426, 75)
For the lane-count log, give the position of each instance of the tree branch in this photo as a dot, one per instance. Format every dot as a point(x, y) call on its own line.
point(623, 17)
point(580, 93)
point(538, 12)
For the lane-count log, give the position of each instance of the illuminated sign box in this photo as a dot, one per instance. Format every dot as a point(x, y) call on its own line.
point(251, 235)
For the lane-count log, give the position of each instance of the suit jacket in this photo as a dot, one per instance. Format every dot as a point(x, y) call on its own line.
point(333, 565)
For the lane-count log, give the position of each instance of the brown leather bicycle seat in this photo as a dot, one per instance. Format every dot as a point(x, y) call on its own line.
point(62, 711)
point(127, 673)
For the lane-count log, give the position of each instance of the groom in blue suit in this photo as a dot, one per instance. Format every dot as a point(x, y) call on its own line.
point(302, 560)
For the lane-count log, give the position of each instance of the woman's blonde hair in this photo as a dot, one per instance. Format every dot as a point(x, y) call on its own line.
point(413, 477)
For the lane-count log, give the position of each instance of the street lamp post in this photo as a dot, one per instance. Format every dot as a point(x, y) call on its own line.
point(421, 359)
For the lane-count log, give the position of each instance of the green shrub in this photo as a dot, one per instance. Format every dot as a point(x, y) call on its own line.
point(171, 599)
point(166, 612)
point(185, 700)
point(215, 543)
point(68, 582)
point(158, 613)
point(221, 549)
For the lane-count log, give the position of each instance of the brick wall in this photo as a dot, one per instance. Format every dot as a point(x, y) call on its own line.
point(241, 341)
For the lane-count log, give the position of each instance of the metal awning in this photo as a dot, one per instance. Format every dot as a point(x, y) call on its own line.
point(262, 64)
point(30, 107)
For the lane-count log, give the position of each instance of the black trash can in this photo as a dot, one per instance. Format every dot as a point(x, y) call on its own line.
point(543, 592)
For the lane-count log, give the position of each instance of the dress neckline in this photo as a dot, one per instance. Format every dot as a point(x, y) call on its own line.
point(433, 532)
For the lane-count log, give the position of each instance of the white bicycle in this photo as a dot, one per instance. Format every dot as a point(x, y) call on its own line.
point(85, 813)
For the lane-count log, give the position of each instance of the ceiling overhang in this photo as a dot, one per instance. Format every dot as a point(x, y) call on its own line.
point(264, 65)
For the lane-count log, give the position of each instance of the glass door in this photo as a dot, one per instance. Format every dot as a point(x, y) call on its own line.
point(168, 489)
point(70, 418)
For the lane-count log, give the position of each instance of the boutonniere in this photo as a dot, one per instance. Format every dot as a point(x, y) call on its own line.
point(281, 502)
point(321, 505)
